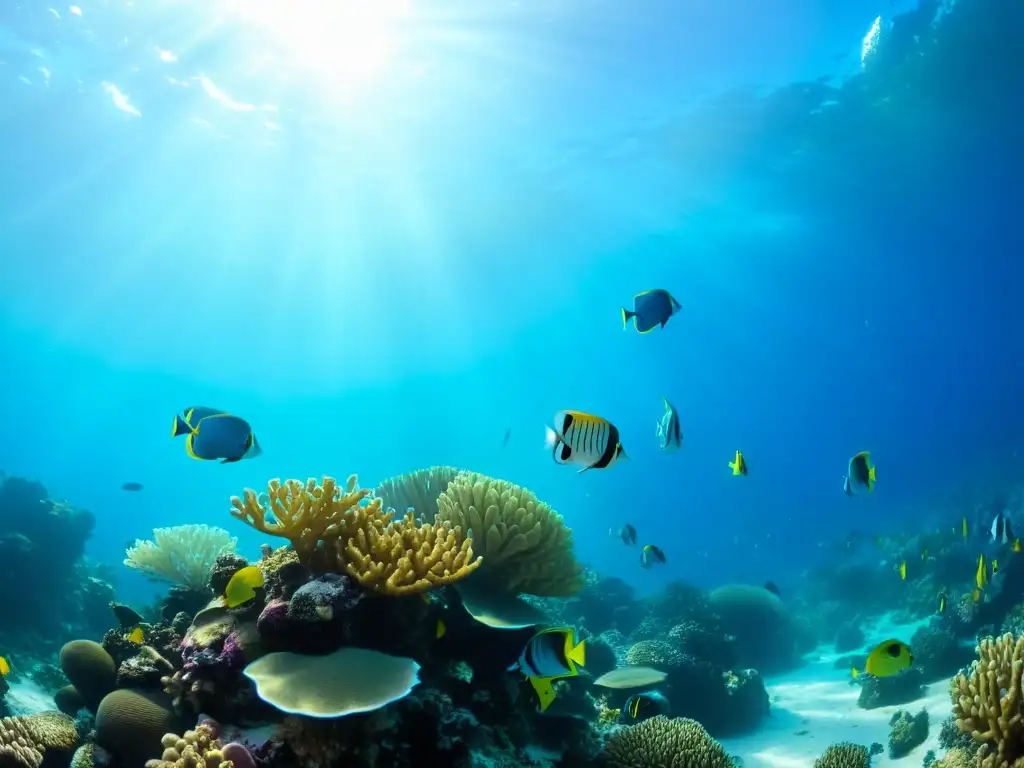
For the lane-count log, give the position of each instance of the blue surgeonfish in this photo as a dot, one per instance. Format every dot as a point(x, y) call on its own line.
point(860, 474)
point(670, 435)
point(189, 419)
point(587, 441)
point(550, 655)
point(222, 436)
point(650, 309)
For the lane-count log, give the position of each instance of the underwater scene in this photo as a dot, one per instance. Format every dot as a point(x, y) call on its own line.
point(565, 383)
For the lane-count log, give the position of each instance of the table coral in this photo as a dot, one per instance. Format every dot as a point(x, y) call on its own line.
point(987, 702)
point(526, 546)
point(405, 557)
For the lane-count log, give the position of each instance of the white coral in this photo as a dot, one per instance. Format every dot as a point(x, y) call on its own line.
point(183, 554)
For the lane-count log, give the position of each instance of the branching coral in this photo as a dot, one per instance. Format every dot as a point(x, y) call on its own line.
point(678, 742)
point(525, 544)
point(405, 558)
point(987, 702)
point(307, 514)
point(417, 490)
point(183, 554)
point(194, 749)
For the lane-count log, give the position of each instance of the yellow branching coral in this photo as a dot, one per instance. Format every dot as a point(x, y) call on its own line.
point(307, 514)
point(679, 742)
point(194, 749)
point(417, 490)
point(987, 702)
point(405, 558)
point(525, 544)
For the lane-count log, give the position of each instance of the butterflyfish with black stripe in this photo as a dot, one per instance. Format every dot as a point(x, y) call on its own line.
point(550, 655)
point(584, 440)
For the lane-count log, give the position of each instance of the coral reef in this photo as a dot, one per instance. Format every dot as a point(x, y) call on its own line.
point(417, 491)
point(907, 732)
point(29, 740)
point(660, 741)
point(182, 555)
point(200, 748)
point(525, 545)
point(938, 653)
point(844, 755)
point(901, 688)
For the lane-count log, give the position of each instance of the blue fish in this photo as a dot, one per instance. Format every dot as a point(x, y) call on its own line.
point(670, 435)
point(641, 706)
point(650, 309)
point(551, 654)
point(189, 419)
point(222, 436)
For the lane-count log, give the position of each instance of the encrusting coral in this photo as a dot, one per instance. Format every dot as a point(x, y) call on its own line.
point(307, 514)
point(183, 554)
point(987, 702)
point(417, 490)
point(526, 545)
point(679, 742)
point(24, 741)
point(405, 558)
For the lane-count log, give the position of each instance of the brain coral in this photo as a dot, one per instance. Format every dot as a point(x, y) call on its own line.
point(130, 723)
point(26, 741)
point(90, 669)
point(526, 545)
point(665, 743)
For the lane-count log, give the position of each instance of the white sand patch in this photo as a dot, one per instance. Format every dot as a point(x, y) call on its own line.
point(27, 698)
point(816, 706)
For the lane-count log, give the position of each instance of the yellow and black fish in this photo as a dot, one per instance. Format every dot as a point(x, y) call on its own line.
point(903, 571)
point(981, 574)
point(739, 464)
point(651, 555)
point(640, 706)
point(995, 567)
point(137, 636)
point(942, 603)
point(242, 586)
point(587, 441)
point(887, 658)
point(860, 474)
point(551, 654)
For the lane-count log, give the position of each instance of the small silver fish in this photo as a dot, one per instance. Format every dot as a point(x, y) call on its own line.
point(670, 434)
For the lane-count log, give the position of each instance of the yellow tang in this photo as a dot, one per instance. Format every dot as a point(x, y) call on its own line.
point(903, 571)
point(942, 603)
point(243, 585)
point(981, 575)
point(888, 658)
point(1016, 545)
point(976, 595)
point(739, 465)
point(5, 668)
point(136, 636)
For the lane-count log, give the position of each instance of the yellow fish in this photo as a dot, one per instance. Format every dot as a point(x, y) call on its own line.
point(942, 603)
point(243, 585)
point(981, 575)
point(1016, 545)
point(739, 464)
point(995, 567)
point(440, 630)
point(976, 595)
point(903, 571)
point(963, 526)
point(136, 636)
point(888, 658)
point(854, 673)
point(5, 668)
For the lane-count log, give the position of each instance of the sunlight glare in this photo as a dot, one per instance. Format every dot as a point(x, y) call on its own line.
point(345, 41)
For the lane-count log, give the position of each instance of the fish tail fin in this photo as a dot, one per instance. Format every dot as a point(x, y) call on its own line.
point(626, 315)
point(551, 438)
point(545, 692)
point(179, 427)
point(512, 668)
point(577, 653)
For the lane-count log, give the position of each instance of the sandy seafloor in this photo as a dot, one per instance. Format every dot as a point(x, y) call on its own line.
point(815, 706)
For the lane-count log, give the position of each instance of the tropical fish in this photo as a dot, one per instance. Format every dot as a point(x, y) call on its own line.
point(887, 658)
point(222, 436)
point(975, 594)
point(5, 668)
point(995, 567)
point(651, 555)
point(189, 419)
point(1002, 530)
point(860, 474)
point(981, 574)
point(942, 603)
point(136, 636)
point(903, 571)
point(670, 435)
point(508, 434)
point(650, 309)
point(242, 586)
point(131, 486)
point(964, 530)
point(439, 630)
point(551, 654)
point(587, 441)
point(640, 706)
point(627, 533)
point(1016, 545)
point(630, 677)
point(739, 464)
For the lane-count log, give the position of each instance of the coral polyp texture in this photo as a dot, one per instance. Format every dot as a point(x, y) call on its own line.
point(182, 554)
point(525, 544)
point(404, 557)
point(417, 490)
point(844, 755)
point(660, 741)
point(26, 741)
point(197, 748)
point(987, 702)
point(306, 514)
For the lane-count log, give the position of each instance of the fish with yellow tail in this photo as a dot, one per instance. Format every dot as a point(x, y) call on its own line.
point(887, 658)
point(584, 440)
point(903, 570)
point(738, 465)
point(860, 474)
point(976, 595)
point(213, 434)
point(551, 654)
point(981, 574)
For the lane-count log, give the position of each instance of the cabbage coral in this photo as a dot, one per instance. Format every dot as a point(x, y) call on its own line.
point(183, 554)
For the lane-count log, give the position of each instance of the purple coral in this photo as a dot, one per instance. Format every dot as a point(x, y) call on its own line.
point(238, 755)
point(323, 598)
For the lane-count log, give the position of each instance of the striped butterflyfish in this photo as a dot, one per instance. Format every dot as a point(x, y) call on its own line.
point(587, 441)
point(549, 655)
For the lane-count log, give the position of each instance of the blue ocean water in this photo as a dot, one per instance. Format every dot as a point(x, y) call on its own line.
point(387, 236)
